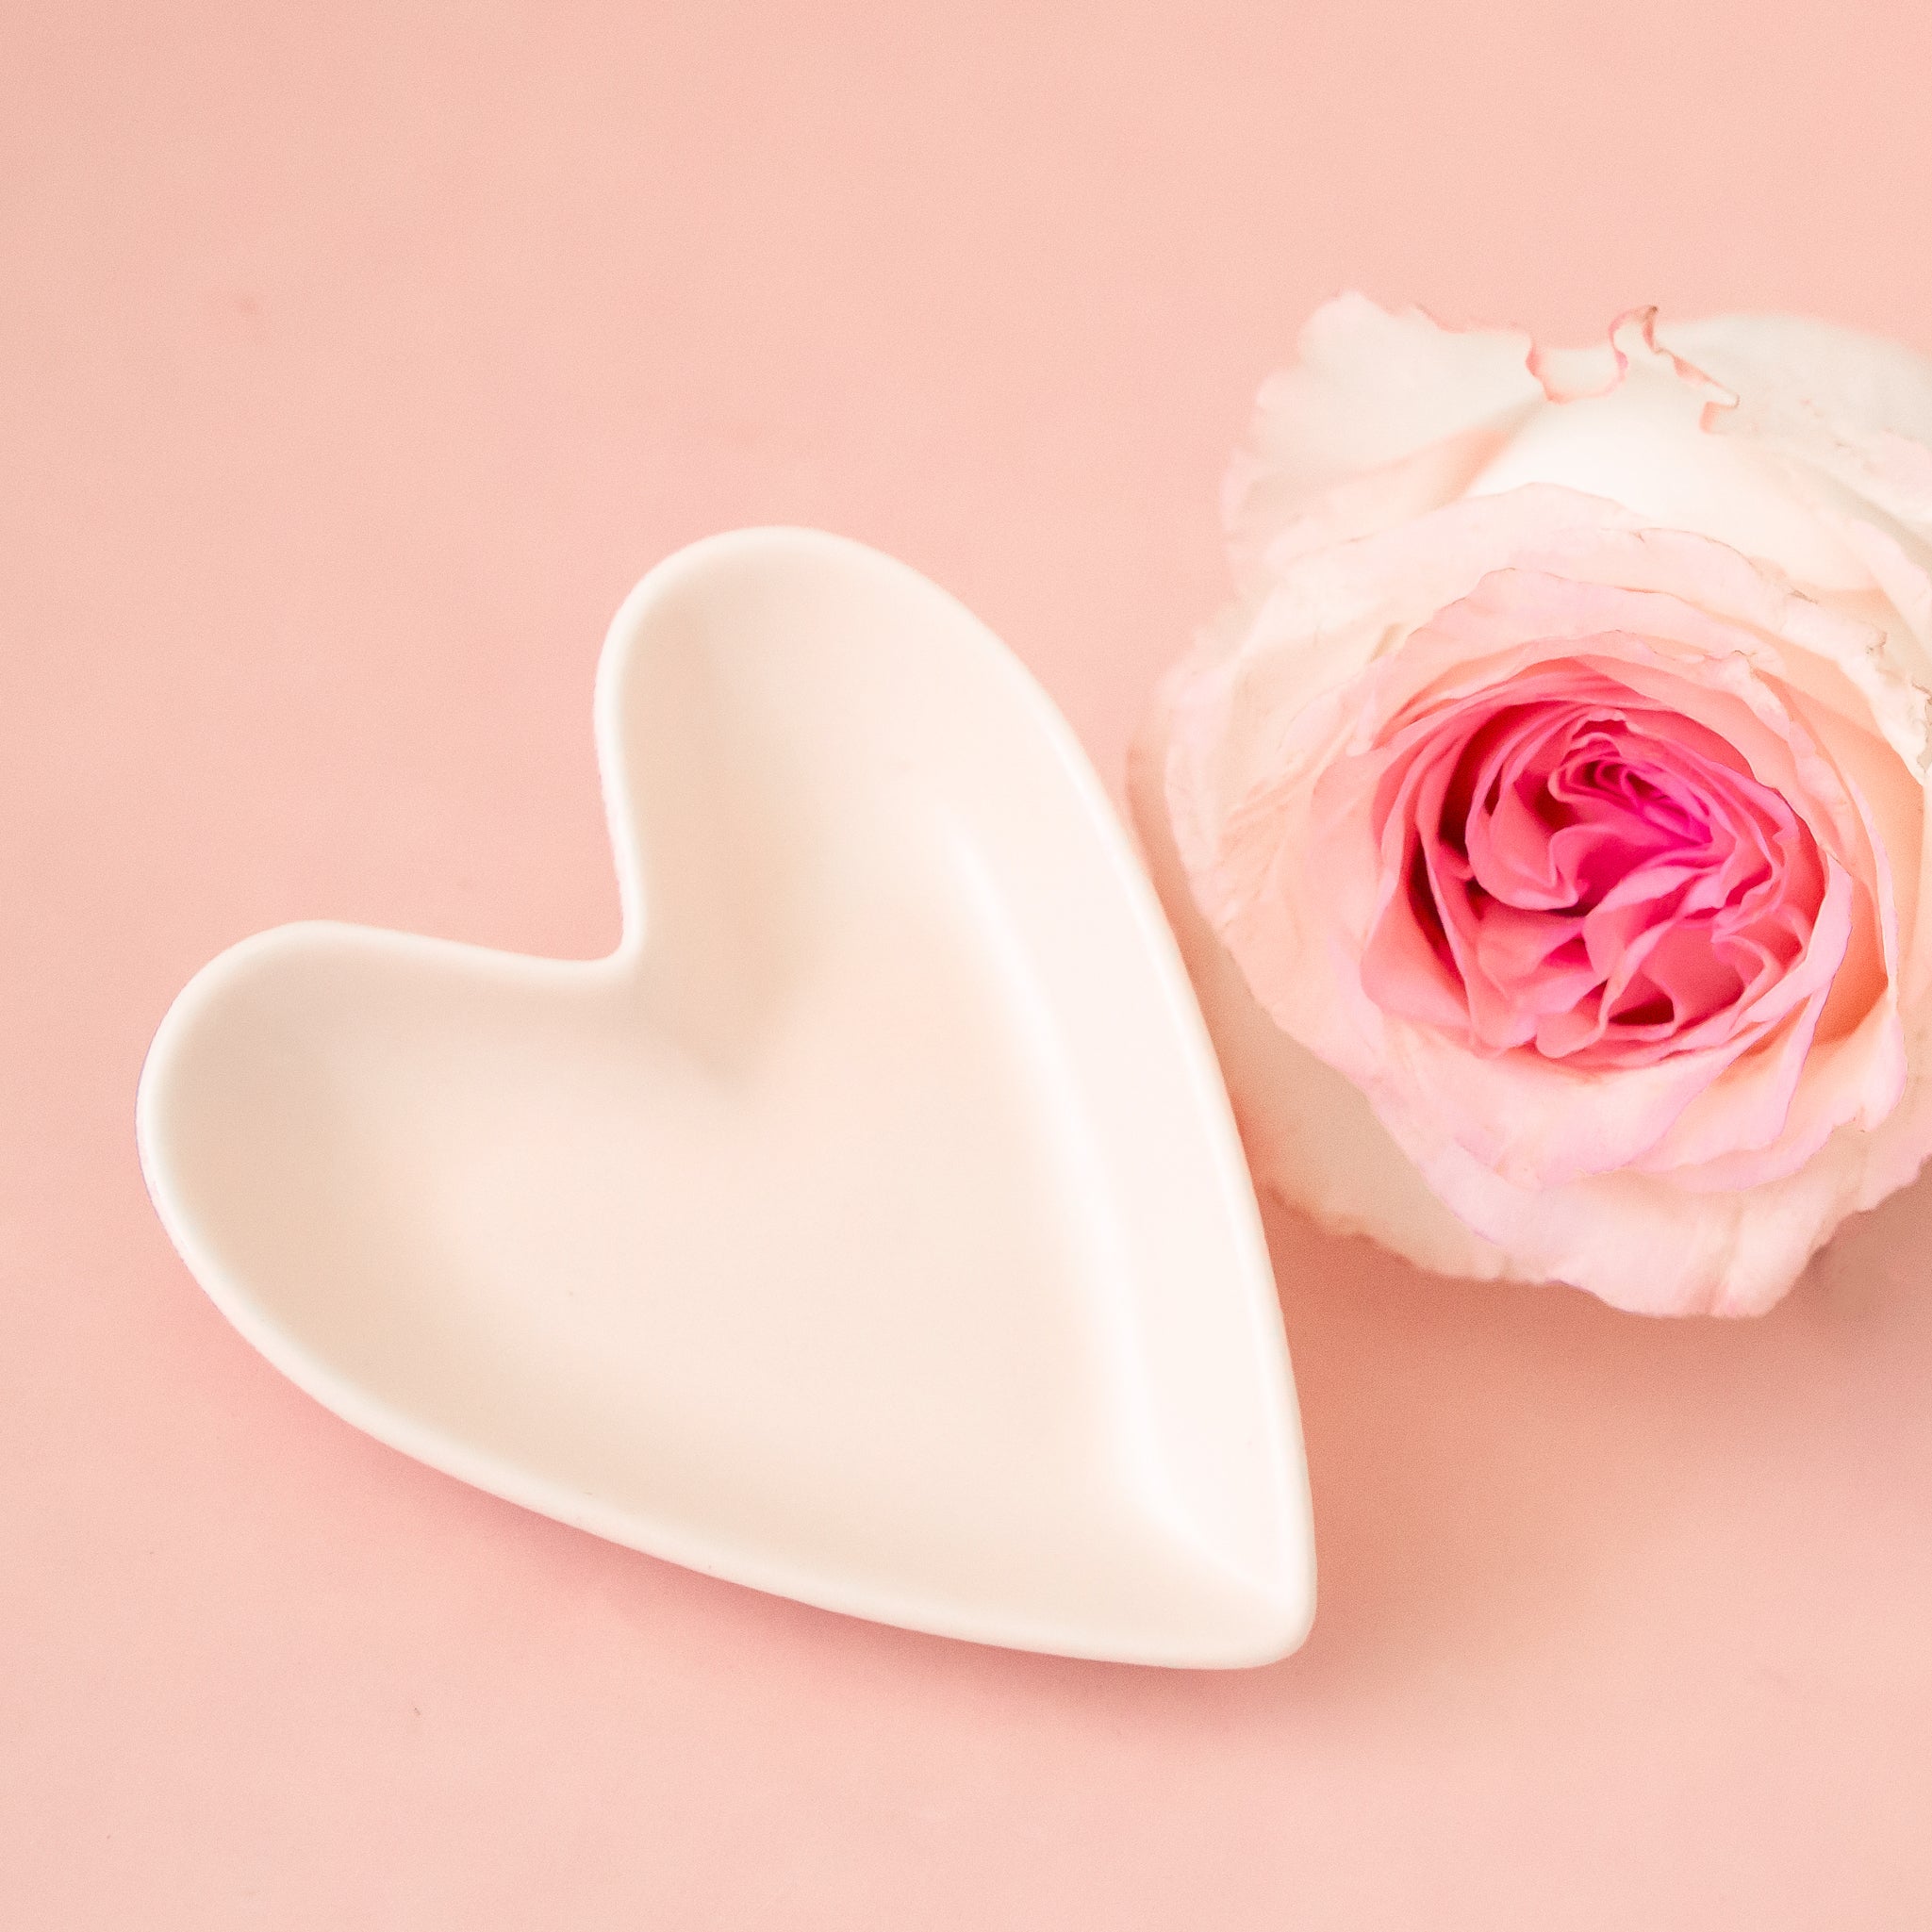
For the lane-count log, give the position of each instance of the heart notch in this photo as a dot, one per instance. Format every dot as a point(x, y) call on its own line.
point(870, 1227)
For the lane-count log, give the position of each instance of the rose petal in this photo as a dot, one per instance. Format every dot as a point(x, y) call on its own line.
point(1380, 418)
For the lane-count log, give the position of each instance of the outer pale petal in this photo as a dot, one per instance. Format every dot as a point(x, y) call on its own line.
point(1643, 1244)
point(1642, 441)
point(1380, 416)
point(1855, 407)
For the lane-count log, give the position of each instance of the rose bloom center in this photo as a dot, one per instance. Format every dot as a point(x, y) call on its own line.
point(1571, 869)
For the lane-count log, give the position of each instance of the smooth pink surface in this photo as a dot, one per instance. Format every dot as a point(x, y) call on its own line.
point(351, 367)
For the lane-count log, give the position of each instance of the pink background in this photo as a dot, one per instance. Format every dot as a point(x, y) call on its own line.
point(353, 361)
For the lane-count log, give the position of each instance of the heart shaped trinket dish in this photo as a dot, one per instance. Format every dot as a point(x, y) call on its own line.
point(870, 1227)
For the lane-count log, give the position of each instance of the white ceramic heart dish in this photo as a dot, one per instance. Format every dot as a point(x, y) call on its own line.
point(871, 1226)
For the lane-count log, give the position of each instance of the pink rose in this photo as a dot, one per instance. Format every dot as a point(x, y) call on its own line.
point(1545, 828)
